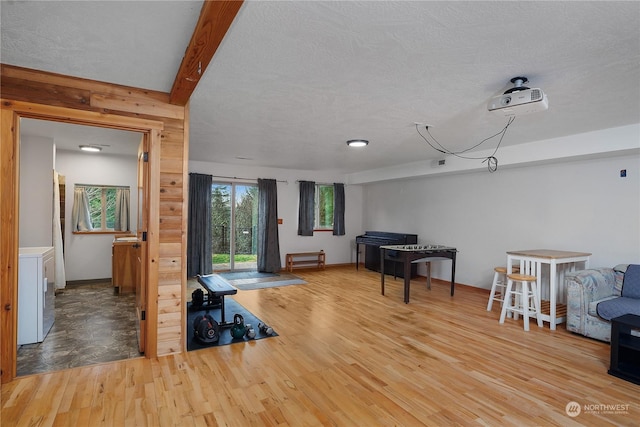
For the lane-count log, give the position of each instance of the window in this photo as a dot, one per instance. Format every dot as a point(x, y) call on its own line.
point(100, 208)
point(324, 207)
point(318, 205)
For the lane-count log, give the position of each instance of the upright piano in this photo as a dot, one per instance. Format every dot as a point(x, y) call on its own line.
point(372, 240)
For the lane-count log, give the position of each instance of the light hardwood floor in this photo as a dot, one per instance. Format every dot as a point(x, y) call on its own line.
point(347, 356)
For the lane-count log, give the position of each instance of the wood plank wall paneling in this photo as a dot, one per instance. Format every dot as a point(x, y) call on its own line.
point(171, 186)
point(33, 77)
point(170, 278)
point(50, 94)
point(171, 208)
point(170, 249)
point(171, 147)
point(170, 264)
point(9, 260)
point(83, 95)
point(135, 105)
point(168, 226)
point(170, 292)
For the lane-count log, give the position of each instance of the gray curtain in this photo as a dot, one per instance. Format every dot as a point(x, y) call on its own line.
point(338, 209)
point(58, 244)
point(80, 216)
point(268, 242)
point(306, 208)
point(122, 210)
point(199, 251)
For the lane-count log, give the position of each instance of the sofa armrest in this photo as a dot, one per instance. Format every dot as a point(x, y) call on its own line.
point(584, 287)
point(593, 284)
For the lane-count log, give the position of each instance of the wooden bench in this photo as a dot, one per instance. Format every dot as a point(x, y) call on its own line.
point(305, 258)
point(216, 287)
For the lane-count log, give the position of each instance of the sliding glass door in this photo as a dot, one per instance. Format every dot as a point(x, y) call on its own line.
point(234, 219)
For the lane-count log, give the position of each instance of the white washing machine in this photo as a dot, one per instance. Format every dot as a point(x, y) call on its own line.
point(36, 294)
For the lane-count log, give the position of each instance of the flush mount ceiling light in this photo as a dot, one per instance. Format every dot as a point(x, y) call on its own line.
point(92, 148)
point(357, 143)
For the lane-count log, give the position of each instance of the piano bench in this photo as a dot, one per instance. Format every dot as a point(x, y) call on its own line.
point(305, 259)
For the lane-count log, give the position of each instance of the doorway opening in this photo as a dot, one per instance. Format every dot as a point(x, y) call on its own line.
point(234, 222)
point(90, 322)
point(12, 113)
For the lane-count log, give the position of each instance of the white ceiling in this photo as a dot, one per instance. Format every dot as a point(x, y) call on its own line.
point(69, 137)
point(293, 80)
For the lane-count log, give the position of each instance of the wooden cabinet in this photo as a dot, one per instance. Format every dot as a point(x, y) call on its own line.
point(125, 264)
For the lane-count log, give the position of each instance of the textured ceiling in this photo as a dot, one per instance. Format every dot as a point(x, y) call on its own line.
point(133, 43)
point(292, 81)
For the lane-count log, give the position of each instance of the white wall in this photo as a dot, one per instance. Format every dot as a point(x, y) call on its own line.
point(579, 205)
point(611, 142)
point(339, 249)
point(575, 201)
point(36, 191)
point(88, 256)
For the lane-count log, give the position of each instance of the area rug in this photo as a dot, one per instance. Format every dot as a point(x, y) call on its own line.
point(231, 307)
point(250, 280)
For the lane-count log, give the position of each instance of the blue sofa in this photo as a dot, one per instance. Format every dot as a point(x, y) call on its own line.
point(594, 296)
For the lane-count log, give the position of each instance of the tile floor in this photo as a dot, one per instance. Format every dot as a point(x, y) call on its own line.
point(92, 326)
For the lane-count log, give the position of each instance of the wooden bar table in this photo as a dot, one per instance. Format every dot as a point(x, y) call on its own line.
point(531, 261)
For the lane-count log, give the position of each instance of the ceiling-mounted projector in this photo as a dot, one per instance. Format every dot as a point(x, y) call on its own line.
point(519, 99)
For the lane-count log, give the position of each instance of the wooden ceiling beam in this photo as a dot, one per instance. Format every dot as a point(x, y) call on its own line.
point(214, 21)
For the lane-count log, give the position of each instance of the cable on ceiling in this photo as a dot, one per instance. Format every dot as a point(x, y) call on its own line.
point(492, 160)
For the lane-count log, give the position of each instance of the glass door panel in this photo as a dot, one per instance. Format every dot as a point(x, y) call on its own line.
point(245, 224)
point(234, 212)
point(221, 226)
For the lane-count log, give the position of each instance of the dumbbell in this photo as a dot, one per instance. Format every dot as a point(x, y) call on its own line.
point(265, 329)
point(251, 333)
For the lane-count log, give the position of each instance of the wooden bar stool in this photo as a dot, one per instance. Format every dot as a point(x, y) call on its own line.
point(499, 286)
point(522, 299)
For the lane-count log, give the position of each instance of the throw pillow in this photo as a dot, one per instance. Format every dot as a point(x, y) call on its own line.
point(618, 272)
point(631, 284)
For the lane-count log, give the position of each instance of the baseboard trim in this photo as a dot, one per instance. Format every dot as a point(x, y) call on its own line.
point(87, 281)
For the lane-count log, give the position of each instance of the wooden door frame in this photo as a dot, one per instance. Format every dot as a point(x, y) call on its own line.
point(10, 114)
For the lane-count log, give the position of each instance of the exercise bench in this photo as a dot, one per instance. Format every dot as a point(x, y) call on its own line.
point(217, 287)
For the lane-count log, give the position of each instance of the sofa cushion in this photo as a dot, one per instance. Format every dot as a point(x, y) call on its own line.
point(628, 303)
point(617, 307)
point(631, 284)
point(593, 305)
